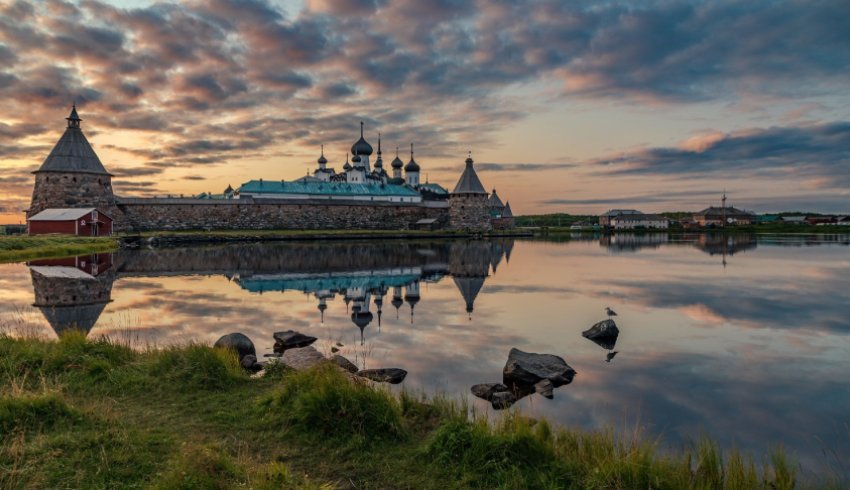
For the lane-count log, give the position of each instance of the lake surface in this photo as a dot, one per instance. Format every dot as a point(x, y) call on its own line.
point(746, 339)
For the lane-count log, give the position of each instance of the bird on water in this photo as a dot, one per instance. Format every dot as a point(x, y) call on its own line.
point(610, 311)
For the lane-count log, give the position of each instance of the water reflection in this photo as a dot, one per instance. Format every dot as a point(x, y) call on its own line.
point(72, 293)
point(754, 354)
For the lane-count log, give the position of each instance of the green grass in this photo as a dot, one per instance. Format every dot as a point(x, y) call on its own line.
point(21, 247)
point(83, 413)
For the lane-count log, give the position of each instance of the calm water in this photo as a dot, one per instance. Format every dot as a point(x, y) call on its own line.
point(745, 339)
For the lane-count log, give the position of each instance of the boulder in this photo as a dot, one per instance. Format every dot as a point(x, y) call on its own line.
point(545, 388)
point(487, 390)
point(344, 363)
point(604, 334)
point(526, 368)
point(384, 375)
point(502, 399)
point(237, 342)
point(291, 339)
point(248, 361)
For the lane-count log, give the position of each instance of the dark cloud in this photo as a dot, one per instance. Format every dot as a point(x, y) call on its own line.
point(816, 151)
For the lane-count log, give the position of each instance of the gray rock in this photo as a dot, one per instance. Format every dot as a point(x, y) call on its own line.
point(248, 361)
point(384, 375)
point(603, 329)
point(604, 334)
point(273, 354)
point(502, 399)
point(487, 390)
point(545, 388)
point(344, 363)
point(291, 339)
point(237, 342)
point(525, 368)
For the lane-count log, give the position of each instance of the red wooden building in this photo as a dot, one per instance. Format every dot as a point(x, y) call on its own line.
point(70, 221)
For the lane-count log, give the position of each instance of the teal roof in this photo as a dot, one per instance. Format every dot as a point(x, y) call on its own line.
point(435, 188)
point(325, 188)
point(325, 282)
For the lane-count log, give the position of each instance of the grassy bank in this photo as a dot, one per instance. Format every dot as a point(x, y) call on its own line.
point(90, 414)
point(21, 247)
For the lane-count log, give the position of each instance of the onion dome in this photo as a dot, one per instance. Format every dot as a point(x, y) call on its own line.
point(379, 162)
point(347, 165)
point(397, 163)
point(361, 147)
point(322, 160)
point(411, 166)
point(356, 159)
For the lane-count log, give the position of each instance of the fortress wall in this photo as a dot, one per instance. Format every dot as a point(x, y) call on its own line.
point(248, 214)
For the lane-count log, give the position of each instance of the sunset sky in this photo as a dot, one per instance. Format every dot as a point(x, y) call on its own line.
point(567, 106)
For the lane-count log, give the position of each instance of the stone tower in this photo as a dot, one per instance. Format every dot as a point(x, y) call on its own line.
point(468, 208)
point(72, 175)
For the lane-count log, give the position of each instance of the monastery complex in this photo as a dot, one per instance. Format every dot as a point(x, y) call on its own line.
point(362, 195)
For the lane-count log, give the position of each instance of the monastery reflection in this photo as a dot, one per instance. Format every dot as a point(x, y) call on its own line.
point(73, 292)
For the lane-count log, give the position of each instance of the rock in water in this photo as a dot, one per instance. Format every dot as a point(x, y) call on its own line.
point(344, 363)
point(525, 368)
point(603, 329)
point(238, 342)
point(291, 339)
point(487, 390)
point(604, 334)
point(384, 375)
point(502, 399)
point(545, 388)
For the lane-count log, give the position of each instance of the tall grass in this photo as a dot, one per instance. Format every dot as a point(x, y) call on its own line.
point(83, 412)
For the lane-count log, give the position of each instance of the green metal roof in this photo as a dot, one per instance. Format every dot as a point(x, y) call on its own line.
point(435, 188)
point(326, 188)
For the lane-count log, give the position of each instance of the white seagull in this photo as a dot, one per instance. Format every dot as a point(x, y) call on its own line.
point(610, 311)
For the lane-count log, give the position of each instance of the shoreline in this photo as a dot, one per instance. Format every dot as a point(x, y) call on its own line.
point(19, 248)
point(94, 413)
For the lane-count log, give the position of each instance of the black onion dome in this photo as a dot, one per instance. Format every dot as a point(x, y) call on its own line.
point(356, 159)
point(397, 163)
point(322, 159)
point(361, 147)
point(411, 166)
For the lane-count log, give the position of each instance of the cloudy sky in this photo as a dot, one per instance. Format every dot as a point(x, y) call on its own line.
point(566, 106)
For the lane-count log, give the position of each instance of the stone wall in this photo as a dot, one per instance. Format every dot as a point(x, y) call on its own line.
point(469, 212)
point(73, 190)
point(503, 223)
point(248, 214)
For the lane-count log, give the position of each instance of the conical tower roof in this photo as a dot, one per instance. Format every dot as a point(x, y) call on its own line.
point(494, 201)
point(469, 182)
point(507, 213)
point(73, 153)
